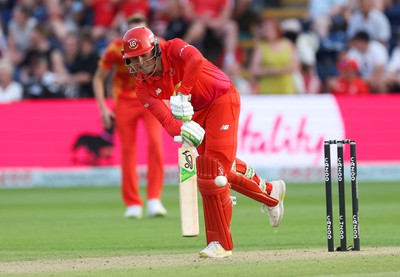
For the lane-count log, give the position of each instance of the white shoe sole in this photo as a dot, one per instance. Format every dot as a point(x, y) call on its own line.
point(155, 208)
point(132, 216)
point(215, 254)
point(158, 214)
point(280, 197)
point(215, 250)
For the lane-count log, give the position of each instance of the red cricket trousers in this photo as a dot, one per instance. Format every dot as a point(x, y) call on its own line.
point(128, 113)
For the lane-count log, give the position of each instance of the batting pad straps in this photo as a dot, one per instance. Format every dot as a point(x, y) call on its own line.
point(208, 168)
point(249, 188)
point(217, 204)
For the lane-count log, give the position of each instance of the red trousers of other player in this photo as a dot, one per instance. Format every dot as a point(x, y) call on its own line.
point(128, 113)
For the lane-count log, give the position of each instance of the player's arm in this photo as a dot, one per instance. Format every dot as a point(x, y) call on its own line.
point(191, 60)
point(192, 132)
point(99, 79)
point(160, 110)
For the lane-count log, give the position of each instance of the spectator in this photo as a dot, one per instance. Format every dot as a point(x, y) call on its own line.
point(215, 16)
point(19, 32)
point(74, 14)
point(41, 47)
point(43, 83)
point(128, 7)
point(322, 14)
point(6, 7)
point(291, 29)
point(39, 9)
point(104, 12)
point(392, 11)
point(349, 81)
point(81, 63)
point(274, 60)
point(61, 17)
point(372, 57)
point(371, 20)
point(127, 112)
point(307, 45)
point(173, 13)
point(246, 13)
point(235, 73)
point(10, 90)
point(3, 42)
point(392, 78)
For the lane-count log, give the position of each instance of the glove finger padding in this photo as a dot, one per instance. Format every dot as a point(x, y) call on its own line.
point(181, 107)
point(192, 132)
point(186, 110)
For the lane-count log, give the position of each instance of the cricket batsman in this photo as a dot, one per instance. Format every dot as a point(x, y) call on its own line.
point(206, 101)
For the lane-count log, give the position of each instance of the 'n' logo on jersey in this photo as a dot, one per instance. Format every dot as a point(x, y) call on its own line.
point(224, 127)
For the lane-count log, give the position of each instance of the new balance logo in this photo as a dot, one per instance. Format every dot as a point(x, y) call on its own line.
point(224, 127)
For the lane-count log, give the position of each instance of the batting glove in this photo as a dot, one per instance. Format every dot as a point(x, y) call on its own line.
point(192, 132)
point(181, 107)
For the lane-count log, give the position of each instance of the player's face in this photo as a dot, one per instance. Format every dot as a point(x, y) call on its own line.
point(144, 63)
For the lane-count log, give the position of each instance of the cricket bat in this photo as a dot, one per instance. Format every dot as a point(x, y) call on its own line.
point(188, 189)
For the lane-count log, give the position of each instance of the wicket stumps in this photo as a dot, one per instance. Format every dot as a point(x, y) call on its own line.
point(342, 204)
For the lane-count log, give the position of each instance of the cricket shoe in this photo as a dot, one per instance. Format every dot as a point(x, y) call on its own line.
point(214, 250)
point(134, 211)
point(155, 208)
point(276, 213)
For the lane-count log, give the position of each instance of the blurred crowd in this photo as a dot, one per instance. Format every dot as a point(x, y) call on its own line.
point(50, 48)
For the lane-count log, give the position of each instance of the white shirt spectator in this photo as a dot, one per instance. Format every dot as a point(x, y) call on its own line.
point(9, 90)
point(13, 92)
point(394, 61)
point(376, 25)
point(317, 8)
point(22, 34)
point(375, 55)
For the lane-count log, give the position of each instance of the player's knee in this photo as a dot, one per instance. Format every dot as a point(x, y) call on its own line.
point(209, 175)
point(209, 168)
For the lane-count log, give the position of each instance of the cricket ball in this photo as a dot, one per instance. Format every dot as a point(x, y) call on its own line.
point(221, 181)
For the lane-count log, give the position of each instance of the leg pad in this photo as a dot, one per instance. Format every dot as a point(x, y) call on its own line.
point(249, 188)
point(217, 204)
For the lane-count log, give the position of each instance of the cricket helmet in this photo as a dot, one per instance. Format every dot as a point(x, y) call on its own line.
point(138, 41)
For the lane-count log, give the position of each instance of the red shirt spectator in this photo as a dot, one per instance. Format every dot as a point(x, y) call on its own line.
point(104, 12)
point(129, 7)
point(349, 82)
point(209, 8)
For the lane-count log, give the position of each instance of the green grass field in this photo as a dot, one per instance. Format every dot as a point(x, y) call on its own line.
point(81, 232)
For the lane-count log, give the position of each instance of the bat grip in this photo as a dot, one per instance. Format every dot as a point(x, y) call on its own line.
point(180, 139)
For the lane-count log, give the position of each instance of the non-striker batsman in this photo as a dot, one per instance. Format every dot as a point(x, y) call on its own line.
point(206, 101)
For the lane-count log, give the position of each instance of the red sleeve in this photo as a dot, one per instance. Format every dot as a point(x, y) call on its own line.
point(190, 58)
point(160, 110)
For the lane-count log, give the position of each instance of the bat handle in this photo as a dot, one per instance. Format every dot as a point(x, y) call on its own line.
point(178, 139)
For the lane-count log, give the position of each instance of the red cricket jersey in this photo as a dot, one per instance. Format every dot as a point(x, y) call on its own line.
point(185, 70)
point(355, 87)
point(210, 8)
